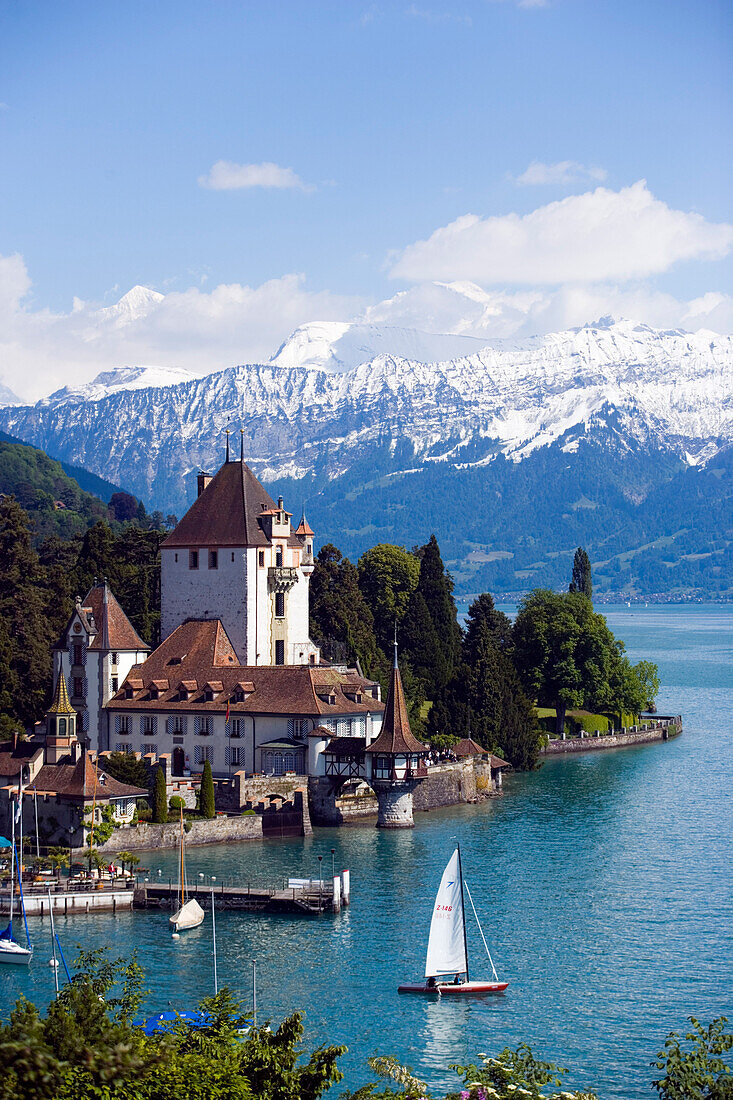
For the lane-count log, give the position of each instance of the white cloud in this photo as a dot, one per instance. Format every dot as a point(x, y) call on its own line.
point(41, 351)
point(469, 310)
point(225, 175)
point(564, 171)
point(597, 236)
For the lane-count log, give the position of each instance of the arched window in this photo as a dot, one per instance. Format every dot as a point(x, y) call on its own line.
point(279, 556)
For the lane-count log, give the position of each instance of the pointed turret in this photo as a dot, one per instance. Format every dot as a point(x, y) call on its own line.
point(60, 723)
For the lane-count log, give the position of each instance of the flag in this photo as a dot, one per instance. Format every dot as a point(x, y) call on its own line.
point(226, 716)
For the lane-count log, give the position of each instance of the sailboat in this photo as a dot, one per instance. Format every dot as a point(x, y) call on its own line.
point(447, 945)
point(10, 950)
point(189, 914)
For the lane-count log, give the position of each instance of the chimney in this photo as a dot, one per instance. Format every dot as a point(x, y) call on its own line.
point(15, 740)
point(280, 502)
point(203, 481)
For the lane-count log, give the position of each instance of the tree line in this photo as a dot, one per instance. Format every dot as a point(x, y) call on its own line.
point(483, 681)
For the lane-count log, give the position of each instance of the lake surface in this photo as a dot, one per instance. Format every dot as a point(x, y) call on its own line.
point(603, 882)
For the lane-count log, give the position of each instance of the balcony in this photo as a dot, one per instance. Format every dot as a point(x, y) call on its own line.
point(281, 578)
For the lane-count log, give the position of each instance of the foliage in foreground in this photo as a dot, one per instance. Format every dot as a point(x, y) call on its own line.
point(87, 1048)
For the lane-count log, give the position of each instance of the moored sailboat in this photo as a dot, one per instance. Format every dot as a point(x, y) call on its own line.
point(189, 914)
point(10, 950)
point(447, 953)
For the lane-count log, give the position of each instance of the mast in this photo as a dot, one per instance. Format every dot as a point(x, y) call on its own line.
point(182, 865)
point(463, 910)
point(12, 869)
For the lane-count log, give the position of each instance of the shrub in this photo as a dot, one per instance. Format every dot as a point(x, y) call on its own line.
point(160, 801)
point(208, 806)
point(176, 803)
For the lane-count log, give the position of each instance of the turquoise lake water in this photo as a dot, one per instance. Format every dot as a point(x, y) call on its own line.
point(603, 883)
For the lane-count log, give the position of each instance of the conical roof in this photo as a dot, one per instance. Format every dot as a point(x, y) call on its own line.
point(227, 512)
point(61, 703)
point(396, 737)
point(304, 528)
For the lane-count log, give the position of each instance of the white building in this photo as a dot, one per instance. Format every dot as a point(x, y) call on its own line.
point(237, 681)
point(235, 557)
point(94, 654)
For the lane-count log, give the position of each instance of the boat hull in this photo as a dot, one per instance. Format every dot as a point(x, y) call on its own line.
point(12, 952)
point(451, 989)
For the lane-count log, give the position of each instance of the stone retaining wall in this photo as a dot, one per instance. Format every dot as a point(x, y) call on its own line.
point(446, 785)
point(216, 831)
point(617, 740)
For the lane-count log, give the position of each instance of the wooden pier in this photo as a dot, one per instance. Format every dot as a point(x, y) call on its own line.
point(300, 897)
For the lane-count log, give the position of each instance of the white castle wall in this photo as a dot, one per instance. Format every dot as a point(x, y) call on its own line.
point(204, 593)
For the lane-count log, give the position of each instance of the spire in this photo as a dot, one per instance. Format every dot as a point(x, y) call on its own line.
point(61, 703)
point(227, 435)
point(241, 444)
point(396, 737)
point(395, 665)
point(304, 529)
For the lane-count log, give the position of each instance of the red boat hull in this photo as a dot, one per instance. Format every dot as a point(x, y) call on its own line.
point(450, 989)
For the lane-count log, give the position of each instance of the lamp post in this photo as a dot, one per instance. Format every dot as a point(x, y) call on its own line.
point(71, 850)
point(320, 872)
point(333, 863)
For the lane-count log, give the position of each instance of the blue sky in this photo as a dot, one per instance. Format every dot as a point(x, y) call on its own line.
point(394, 120)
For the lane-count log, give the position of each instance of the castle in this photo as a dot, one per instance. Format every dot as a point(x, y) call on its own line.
point(236, 680)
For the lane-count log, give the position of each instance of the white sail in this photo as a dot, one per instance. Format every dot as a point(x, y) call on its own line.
point(447, 943)
point(190, 915)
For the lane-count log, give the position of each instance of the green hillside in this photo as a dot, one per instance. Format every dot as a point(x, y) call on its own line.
point(55, 502)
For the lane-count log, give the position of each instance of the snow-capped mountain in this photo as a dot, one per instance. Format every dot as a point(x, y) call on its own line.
point(336, 346)
point(123, 378)
point(669, 390)
point(595, 436)
point(7, 397)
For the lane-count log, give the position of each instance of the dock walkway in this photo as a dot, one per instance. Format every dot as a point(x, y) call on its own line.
point(309, 898)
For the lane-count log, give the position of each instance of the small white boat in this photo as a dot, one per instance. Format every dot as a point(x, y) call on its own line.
point(189, 914)
point(447, 945)
point(10, 950)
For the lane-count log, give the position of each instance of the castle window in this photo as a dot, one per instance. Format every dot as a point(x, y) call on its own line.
point(78, 686)
point(76, 654)
point(62, 726)
point(310, 547)
point(175, 557)
point(235, 755)
point(280, 652)
point(150, 724)
point(279, 556)
point(232, 557)
point(123, 746)
point(148, 746)
point(236, 727)
point(279, 605)
point(115, 684)
point(261, 557)
point(124, 723)
point(213, 559)
point(203, 753)
point(114, 659)
point(193, 559)
point(203, 726)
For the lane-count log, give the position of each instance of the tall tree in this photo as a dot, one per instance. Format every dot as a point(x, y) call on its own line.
point(388, 576)
point(341, 621)
point(567, 656)
point(420, 642)
point(581, 580)
point(483, 614)
point(160, 798)
point(208, 803)
point(436, 587)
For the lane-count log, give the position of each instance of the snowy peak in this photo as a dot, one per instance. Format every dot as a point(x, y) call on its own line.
point(8, 397)
point(336, 346)
point(136, 304)
point(113, 381)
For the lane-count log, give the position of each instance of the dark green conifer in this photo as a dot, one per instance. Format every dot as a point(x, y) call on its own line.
point(482, 613)
point(419, 641)
point(341, 621)
point(160, 798)
point(581, 579)
point(208, 806)
point(436, 588)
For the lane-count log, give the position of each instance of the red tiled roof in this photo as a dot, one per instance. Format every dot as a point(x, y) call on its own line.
point(227, 512)
point(347, 746)
point(395, 735)
point(112, 630)
point(468, 747)
point(83, 780)
point(197, 647)
point(12, 758)
point(497, 762)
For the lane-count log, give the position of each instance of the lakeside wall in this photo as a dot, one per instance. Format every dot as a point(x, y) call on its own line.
point(619, 739)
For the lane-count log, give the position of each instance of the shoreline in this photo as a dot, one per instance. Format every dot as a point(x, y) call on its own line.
point(619, 739)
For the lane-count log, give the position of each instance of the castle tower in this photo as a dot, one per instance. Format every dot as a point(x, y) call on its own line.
point(235, 557)
point(396, 758)
point(60, 724)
